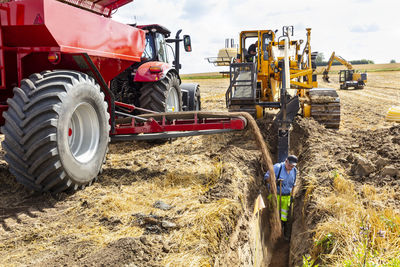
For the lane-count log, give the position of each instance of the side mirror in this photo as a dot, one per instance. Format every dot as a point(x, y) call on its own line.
point(187, 44)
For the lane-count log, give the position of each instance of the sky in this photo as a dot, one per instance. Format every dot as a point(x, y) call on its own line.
point(354, 29)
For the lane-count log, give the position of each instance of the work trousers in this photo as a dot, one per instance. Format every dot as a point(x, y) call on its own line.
point(285, 204)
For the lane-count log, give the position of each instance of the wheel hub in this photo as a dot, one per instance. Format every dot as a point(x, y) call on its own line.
point(84, 133)
point(172, 101)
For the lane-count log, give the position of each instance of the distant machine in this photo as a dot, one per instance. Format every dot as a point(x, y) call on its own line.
point(225, 55)
point(347, 78)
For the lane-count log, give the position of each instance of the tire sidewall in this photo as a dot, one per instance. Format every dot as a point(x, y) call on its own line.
point(197, 101)
point(192, 96)
point(174, 84)
point(84, 92)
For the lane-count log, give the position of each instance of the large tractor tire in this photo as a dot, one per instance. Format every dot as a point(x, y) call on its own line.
point(56, 131)
point(191, 96)
point(162, 96)
point(195, 102)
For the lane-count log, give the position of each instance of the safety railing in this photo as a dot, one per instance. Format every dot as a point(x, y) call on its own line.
point(243, 83)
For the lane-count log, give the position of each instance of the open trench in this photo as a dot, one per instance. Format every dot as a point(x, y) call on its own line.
point(365, 151)
point(366, 158)
point(259, 248)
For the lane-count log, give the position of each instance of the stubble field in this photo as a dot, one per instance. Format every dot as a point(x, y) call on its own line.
point(189, 202)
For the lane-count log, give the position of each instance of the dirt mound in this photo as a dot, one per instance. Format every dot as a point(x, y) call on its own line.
point(127, 251)
point(349, 177)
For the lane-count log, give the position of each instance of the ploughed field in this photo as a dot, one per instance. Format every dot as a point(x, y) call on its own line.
point(190, 201)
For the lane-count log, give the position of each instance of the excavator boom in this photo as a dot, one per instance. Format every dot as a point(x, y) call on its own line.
point(347, 78)
point(341, 60)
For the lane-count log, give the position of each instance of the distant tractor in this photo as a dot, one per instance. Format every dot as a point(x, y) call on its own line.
point(347, 78)
point(71, 79)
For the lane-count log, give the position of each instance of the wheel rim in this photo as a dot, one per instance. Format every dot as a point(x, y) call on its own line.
point(197, 104)
point(84, 133)
point(172, 101)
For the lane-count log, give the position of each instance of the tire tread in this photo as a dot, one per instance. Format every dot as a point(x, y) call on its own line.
point(30, 130)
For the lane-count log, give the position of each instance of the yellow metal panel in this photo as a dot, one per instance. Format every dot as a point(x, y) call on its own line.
point(300, 84)
point(259, 112)
point(299, 73)
point(307, 110)
point(356, 76)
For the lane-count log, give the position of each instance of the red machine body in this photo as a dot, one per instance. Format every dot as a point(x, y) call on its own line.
point(152, 71)
point(33, 28)
point(38, 35)
point(64, 64)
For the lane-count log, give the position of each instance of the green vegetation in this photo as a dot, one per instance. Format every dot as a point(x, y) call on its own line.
point(320, 61)
point(353, 62)
point(308, 262)
point(202, 77)
point(383, 70)
point(331, 72)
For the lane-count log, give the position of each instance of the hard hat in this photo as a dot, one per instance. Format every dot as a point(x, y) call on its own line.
point(292, 159)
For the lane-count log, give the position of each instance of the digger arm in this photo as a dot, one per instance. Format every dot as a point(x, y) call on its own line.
point(343, 61)
point(331, 59)
point(329, 63)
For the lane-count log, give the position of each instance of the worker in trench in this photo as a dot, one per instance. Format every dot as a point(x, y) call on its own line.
point(286, 174)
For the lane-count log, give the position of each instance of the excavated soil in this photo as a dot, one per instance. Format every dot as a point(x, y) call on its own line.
point(211, 181)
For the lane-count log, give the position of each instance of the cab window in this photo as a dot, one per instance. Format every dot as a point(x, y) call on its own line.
point(267, 38)
point(161, 48)
point(148, 52)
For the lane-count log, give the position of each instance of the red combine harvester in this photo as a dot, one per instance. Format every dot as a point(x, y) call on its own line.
point(72, 79)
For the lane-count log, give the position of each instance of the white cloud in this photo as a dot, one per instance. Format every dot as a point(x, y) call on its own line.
point(354, 29)
point(365, 28)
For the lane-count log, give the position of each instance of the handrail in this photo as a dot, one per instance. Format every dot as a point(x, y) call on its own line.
point(233, 79)
point(89, 6)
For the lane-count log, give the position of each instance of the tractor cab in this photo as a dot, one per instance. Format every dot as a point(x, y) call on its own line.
point(155, 47)
point(156, 44)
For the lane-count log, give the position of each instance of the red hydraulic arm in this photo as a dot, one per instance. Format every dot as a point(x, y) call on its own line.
point(172, 124)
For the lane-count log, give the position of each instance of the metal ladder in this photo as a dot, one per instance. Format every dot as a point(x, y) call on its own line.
point(241, 94)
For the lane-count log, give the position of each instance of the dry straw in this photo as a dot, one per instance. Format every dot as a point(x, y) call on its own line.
point(275, 222)
point(359, 229)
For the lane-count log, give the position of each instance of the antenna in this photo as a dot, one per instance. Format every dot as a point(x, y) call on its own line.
point(134, 20)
